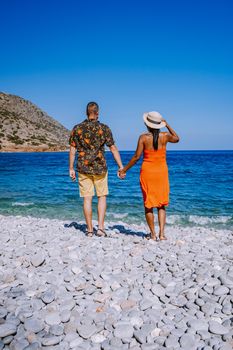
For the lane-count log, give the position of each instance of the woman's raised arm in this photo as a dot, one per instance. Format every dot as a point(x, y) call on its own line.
point(136, 155)
point(172, 135)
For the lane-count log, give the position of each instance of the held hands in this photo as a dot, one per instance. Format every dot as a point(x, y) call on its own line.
point(121, 173)
point(72, 174)
point(163, 120)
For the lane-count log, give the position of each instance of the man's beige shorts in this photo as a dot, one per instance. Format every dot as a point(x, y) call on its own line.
point(87, 184)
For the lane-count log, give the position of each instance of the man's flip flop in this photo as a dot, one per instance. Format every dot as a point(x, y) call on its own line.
point(102, 234)
point(148, 237)
point(89, 233)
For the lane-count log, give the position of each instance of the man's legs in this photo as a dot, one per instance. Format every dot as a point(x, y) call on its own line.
point(86, 189)
point(87, 210)
point(101, 186)
point(101, 211)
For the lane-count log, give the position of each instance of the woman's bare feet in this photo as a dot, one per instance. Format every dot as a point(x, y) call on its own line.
point(162, 237)
point(152, 236)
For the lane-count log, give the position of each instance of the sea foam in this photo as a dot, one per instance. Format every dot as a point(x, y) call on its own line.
point(22, 204)
point(197, 219)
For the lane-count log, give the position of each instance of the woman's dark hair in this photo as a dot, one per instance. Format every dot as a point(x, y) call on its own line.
point(155, 133)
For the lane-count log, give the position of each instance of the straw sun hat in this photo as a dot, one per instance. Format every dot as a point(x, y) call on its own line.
point(154, 120)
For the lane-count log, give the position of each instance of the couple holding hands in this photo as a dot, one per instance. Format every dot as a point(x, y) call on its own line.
point(89, 138)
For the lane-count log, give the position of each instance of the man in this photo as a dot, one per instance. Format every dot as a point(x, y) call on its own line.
point(89, 139)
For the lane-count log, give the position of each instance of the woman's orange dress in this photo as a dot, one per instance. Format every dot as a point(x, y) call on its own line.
point(154, 178)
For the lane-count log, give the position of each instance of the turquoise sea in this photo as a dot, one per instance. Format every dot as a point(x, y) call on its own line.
point(201, 183)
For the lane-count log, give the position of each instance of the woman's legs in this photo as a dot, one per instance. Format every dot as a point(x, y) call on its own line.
point(150, 221)
point(162, 221)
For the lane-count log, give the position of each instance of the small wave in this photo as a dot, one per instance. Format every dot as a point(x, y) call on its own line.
point(203, 220)
point(174, 219)
point(117, 215)
point(197, 220)
point(120, 216)
point(21, 204)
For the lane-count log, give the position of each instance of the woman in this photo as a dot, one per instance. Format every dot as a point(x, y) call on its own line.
point(154, 172)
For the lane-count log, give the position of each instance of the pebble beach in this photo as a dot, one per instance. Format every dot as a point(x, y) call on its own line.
point(62, 290)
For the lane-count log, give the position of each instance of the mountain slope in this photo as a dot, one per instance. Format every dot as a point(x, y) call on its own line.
point(24, 127)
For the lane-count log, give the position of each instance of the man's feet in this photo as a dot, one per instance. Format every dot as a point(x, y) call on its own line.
point(101, 233)
point(89, 233)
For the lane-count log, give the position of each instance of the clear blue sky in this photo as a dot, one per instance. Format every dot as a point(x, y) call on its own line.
point(130, 56)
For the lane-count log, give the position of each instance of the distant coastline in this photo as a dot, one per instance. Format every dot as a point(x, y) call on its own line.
point(31, 150)
point(48, 150)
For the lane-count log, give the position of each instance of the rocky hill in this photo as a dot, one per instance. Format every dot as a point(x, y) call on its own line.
point(24, 127)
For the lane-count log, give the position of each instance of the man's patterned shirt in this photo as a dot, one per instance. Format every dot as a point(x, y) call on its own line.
point(90, 137)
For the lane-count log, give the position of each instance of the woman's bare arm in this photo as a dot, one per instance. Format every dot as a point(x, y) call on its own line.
point(136, 155)
point(172, 135)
